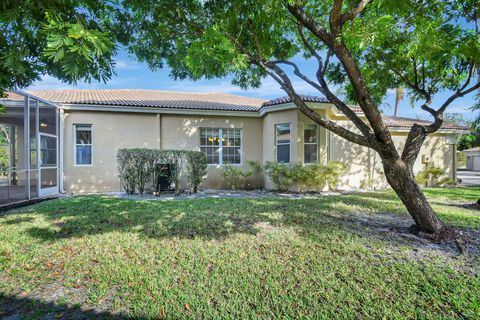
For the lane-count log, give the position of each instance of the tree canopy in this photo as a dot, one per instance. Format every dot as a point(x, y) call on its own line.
point(426, 46)
point(365, 47)
point(69, 40)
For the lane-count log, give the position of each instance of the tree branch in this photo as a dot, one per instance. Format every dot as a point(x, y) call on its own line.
point(325, 90)
point(439, 113)
point(317, 118)
point(350, 15)
point(418, 133)
point(356, 79)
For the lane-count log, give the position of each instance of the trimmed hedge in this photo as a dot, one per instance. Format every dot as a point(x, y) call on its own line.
point(313, 176)
point(139, 167)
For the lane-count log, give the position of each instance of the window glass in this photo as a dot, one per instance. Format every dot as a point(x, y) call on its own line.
point(84, 135)
point(47, 119)
point(221, 145)
point(282, 139)
point(48, 151)
point(310, 143)
point(83, 144)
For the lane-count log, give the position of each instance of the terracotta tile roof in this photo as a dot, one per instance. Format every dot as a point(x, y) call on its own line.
point(153, 99)
point(286, 99)
point(184, 100)
point(13, 96)
point(400, 122)
point(306, 98)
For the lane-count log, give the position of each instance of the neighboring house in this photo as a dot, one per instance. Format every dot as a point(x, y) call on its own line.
point(473, 158)
point(78, 133)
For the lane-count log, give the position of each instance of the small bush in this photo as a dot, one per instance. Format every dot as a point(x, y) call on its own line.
point(280, 175)
point(316, 178)
point(431, 177)
point(196, 169)
point(138, 167)
point(126, 169)
point(312, 176)
point(333, 172)
point(257, 171)
point(234, 177)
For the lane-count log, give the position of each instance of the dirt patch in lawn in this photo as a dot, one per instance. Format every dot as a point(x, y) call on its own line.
point(397, 231)
point(53, 301)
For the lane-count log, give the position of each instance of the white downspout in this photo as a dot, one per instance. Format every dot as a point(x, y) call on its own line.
point(61, 135)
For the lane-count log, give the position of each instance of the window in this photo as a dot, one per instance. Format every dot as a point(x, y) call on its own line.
point(83, 144)
point(282, 141)
point(221, 145)
point(48, 151)
point(310, 143)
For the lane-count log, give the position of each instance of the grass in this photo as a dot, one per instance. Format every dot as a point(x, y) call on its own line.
point(234, 258)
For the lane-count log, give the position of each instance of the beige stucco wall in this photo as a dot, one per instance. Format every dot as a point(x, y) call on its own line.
point(110, 132)
point(364, 166)
point(182, 132)
point(114, 130)
point(269, 122)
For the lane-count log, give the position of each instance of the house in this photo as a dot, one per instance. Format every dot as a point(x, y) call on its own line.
point(473, 158)
point(74, 136)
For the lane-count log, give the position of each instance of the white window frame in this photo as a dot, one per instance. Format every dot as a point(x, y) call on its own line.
point(75, 144)
point(311, 143)
point(289, 141)
point(220, 145)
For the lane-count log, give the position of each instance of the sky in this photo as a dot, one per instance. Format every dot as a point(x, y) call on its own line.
point(134, 75)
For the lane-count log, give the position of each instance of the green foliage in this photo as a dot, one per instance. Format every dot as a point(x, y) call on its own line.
point(257, 173)
point(69, 40)
point(280, 174)
point(313, 176)
point(234, 177)
point(469, 140)
point(431, 177)
point(218, 256)
point(196, 165)
point(333, 172)
point(219, 38)
point(138, 167)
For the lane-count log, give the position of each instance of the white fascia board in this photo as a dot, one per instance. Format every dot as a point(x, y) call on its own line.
point(291, 106)
point(471, 153)
point(106, 108)
point(446, 131)
point(199, 112)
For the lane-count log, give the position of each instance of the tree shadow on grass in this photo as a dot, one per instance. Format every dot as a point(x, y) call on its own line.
point(366, 215)
point(15, 307)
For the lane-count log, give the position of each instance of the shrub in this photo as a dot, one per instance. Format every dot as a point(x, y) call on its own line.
point(312, 176)
point(126, 169)
point(137, 167)
point(316, 178)
point(234, 177)
point(429, 176)
point(432, 177)
point(333, 172)
point(280, 175)
point(196, 169)
point(257, 171)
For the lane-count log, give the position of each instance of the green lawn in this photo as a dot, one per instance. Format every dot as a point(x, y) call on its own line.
point(235, 258)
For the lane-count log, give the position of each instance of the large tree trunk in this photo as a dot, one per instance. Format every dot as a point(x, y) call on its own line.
point(402, 180)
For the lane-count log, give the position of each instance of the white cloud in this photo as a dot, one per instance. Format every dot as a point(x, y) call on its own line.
point(269, 89)
point(126, 65)
point(459, 109)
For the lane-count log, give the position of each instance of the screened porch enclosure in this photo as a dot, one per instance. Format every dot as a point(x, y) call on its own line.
point(28, 149)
